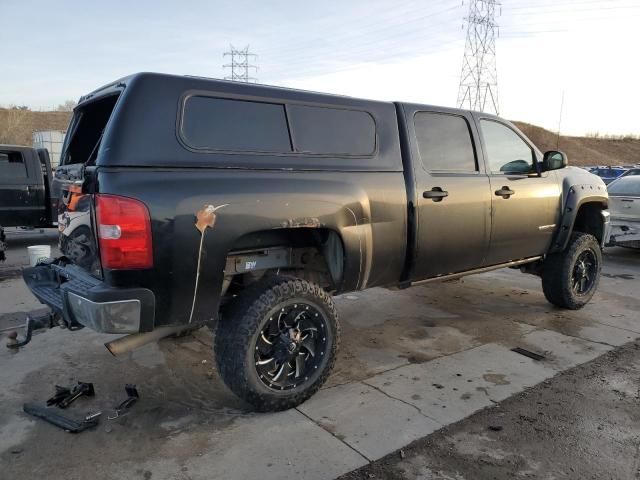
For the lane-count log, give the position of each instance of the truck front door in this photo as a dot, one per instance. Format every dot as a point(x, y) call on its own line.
point(525, 204)
point(453, 202)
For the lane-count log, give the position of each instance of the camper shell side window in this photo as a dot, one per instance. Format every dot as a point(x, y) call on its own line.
point(233, 125)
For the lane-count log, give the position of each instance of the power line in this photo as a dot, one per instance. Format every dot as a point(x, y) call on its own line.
point(579, 5)
point(362, 35)
point(240, 65)
point(389, 46)
point(332, 69)
point(380, 19)
point(568, 9)
point(318, 64)
point(573, 21)
point(478, 88)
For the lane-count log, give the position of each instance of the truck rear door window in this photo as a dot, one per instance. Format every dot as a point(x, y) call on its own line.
point(331, 131)
point(210, 123)
point(12, 165)
point(444, 142)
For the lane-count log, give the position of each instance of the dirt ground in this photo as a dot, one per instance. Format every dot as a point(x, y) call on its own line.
point(187, 425)
point(582, 424)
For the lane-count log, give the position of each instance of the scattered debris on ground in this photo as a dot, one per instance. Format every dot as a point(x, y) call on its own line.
point(65, 396)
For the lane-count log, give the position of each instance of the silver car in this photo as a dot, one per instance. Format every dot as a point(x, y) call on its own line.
point(624, 205)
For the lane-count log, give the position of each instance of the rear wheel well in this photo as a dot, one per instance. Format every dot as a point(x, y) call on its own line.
point(589, 220)
point(312, 254)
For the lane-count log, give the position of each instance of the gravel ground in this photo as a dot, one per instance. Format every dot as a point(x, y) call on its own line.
point(582, 424)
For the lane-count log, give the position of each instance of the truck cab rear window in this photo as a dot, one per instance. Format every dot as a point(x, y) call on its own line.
point(12, 165)
point(210, 123)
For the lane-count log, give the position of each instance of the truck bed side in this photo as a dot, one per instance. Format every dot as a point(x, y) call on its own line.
point(366, 211)
point(261, 200)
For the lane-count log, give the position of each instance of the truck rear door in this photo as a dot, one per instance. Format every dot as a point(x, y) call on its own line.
point(452, 208)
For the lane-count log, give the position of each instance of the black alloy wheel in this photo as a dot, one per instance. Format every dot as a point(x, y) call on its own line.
point(570, 278)
point(584, 272)
point(291, 346)
point(276, 342)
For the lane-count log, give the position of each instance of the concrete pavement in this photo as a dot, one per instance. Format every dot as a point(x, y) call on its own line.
point(411, 362)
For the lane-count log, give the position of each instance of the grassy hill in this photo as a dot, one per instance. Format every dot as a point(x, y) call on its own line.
point(17, 126)
point(586, 150)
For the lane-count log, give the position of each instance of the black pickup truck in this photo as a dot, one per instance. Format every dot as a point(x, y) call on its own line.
point(26, 198)
point(248, 207)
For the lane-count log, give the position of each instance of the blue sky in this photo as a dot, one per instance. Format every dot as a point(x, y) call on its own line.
point(390, 50)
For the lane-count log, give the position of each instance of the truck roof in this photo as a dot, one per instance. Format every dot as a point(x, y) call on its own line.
point(145, 114)
point(207, 83)
point(258, 89)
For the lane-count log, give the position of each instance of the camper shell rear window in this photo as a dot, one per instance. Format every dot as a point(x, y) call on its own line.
point(209, 123)
point(86, 130)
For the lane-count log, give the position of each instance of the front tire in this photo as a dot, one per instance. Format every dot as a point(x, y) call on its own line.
point(570, 278)
point(276, 344)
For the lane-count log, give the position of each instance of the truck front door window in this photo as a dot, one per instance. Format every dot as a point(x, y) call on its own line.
point(524, 208)
point(506, 151)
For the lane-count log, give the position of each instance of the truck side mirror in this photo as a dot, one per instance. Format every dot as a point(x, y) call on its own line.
point(554, 160)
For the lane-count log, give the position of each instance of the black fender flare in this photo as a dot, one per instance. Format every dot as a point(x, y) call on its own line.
point(574, 198)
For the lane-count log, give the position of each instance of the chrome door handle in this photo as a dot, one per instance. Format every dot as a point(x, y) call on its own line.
point(505, 192)
point(436, 194)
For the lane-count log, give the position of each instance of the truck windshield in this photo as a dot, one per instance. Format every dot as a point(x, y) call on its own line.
point(86, 130)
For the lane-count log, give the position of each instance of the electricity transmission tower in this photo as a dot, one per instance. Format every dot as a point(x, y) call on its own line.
point(479, 80)
point(240, 64)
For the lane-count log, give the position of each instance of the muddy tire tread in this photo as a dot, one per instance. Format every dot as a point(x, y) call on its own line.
point(556, 272)
point(240, 322)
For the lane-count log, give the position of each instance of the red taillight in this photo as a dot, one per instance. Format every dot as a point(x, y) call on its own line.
point(124, 232)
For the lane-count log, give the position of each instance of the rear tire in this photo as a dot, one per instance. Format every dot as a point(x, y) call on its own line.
point(276, 343)
point(570, 278)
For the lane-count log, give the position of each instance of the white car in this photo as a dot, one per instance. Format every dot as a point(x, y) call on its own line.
point(624, 205)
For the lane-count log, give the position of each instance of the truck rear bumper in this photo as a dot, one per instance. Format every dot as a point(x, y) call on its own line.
point(85, 301)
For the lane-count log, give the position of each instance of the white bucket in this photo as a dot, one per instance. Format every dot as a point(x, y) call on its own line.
point(37, 253)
